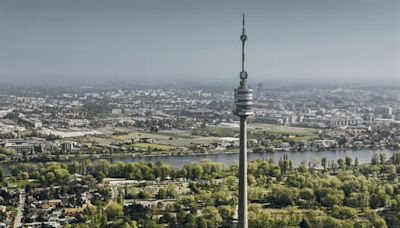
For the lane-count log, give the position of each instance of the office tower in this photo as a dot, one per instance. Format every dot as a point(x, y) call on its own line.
point(260, 90)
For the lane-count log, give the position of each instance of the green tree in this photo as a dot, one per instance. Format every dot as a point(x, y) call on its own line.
point(212, 215)
point(341, 164)
point(282, 196)
point(307, 194)
point(305, 224)
point(162, 194)
point(348, 161)
point(378, 198)
point(302, 167)
point(189, 202)
point(144, 195)
point(344, 212)
point(121, 199)
point(1, 176)
point(194, 171)
point(396, 158)
point(103, 220)
point(324, 161)
point(227, 212)
point(330, 198)
point(24, 175)
point(114, 210)
point(375, 158)
point(382, 157)
point(357, 199)
point(356, 162)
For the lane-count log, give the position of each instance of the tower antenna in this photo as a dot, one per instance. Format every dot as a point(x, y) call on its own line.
point(243, 38)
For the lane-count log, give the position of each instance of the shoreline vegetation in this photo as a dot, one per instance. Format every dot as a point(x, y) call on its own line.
point(74, 156)
point(121, 156)
point(342, 193)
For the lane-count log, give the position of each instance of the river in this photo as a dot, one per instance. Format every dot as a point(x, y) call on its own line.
point(364, 156)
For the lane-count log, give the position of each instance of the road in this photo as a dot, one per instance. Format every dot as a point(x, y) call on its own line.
point(18, 217)
point(114, 195)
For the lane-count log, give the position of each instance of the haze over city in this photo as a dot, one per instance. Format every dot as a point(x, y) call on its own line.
point(196, 41)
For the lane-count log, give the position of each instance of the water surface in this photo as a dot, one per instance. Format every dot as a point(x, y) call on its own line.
point(364, 156)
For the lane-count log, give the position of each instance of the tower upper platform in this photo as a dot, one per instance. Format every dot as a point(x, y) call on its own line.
point(243, 94)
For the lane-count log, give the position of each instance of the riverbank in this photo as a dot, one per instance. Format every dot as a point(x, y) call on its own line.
point(71, 157)
point(363, 156)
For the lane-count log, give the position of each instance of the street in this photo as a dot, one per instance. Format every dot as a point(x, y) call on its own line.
point(18, 217)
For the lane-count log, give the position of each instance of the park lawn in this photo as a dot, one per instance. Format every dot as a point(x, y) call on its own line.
point(130, 135)
point(298, 132)
point(221, 131)
point(127, 133)
point(166, 140)
point(26, 132)
point(23, 183)
point(284, 210)
point(306, 138)
point(280, 129)
point(187, 142)
point(111, 130)
point(103, 141)
point(173, 135)
point(145, 146)
point(138, 134)
point(165, 136)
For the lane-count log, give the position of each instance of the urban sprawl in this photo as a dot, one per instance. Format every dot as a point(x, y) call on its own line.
point(57, 145)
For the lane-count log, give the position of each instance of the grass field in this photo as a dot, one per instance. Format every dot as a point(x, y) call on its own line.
point(23, 183)
point(186, 142)
point(282, 130)
point(173, 135)
point(221, 131)
point(173, 139)
point(145, 146)
point(164, 138)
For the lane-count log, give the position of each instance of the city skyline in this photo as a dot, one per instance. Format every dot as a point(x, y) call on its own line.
point(191, 41)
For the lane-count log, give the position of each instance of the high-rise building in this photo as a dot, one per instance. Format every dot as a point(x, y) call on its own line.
point(243, 102)
point(66, 147)
point(260, 90)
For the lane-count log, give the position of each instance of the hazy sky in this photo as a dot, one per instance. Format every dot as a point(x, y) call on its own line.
point(199, 40)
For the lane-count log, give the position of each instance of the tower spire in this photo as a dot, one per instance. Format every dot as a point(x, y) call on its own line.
point(243, 24)
point(243, 38)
